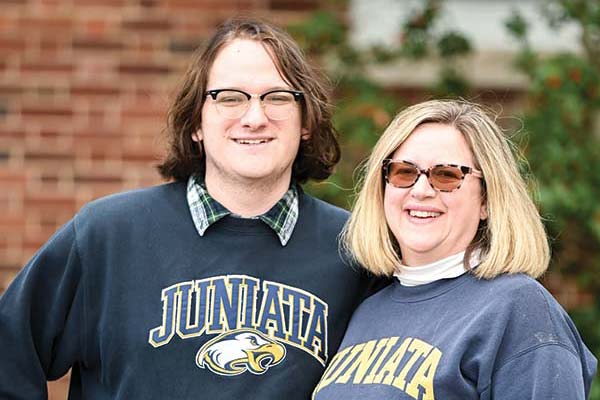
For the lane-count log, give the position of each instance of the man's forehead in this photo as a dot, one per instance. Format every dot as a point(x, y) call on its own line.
point(244, 62)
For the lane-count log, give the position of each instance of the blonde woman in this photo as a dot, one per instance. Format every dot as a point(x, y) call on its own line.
point(444, 209)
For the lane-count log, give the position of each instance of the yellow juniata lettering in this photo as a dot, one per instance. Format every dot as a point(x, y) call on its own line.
point(362, 363)
point(355, 350)
point(388, 347)
point(333, 371)
point(412, 356)
point(366, 359)
point(418, 348)
point(424, 376)
point(392, 364)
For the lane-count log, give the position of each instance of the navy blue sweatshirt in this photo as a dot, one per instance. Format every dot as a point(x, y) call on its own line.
point(461, 339)
point(141, 307)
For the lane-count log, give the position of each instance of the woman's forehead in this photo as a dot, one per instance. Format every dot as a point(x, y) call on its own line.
point(434, 143)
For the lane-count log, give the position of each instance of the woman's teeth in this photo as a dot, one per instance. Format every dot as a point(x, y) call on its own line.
point(424, 214)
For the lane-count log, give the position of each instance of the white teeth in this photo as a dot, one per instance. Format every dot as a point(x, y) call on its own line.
point(251, 141)
point(423, 214)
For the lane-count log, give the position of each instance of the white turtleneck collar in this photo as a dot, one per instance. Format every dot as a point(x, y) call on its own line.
point(449, 267)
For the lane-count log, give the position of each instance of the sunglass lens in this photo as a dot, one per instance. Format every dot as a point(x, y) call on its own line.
point(446, 178)
point(402, 174)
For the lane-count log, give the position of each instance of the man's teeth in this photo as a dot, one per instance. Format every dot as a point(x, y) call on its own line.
point(423, 214)
point(251, 141)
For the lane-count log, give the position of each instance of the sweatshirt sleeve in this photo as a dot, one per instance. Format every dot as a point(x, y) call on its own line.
point(42, 319)
point(550, 371)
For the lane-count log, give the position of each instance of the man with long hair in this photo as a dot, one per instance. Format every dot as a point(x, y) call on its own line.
point(225, 283)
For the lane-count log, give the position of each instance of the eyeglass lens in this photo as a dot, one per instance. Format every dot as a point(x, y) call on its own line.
point(278, 105)
point(445, 178)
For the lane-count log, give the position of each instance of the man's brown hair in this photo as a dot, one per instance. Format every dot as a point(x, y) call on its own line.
point(317, 155)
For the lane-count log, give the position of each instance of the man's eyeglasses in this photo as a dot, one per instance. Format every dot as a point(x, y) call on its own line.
point(442, 177)
point(233, 104)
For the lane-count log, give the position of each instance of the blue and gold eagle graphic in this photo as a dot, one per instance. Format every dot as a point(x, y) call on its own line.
point(238, 351)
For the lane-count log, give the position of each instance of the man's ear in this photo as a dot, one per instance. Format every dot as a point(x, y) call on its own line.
point(305, 135)
point(197, 136)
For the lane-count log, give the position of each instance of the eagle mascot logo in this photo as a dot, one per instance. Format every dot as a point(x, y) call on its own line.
point(238, 351)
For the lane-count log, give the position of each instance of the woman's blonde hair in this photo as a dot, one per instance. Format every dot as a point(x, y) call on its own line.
point(511, 240)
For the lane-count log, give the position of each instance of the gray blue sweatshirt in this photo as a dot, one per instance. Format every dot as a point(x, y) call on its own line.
point(460, 339)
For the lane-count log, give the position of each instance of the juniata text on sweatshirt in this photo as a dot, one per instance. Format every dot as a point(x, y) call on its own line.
point(460, 339)
point(141, 307)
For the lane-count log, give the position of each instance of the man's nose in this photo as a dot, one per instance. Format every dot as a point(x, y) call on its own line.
point(255, 116)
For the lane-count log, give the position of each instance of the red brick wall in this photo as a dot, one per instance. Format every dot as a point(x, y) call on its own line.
point(84, 86)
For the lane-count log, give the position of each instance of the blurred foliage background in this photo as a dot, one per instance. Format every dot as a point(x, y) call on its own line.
point(559, 134)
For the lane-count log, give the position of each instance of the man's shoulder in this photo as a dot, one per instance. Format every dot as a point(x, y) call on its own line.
point(319, 219)
point(133, 202)
point(323, 209)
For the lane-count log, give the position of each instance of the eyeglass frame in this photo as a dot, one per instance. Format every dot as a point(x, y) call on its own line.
point(298, 96)
point(385, 164)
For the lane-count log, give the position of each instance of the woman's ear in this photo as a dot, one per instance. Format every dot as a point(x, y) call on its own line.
point(483, 213)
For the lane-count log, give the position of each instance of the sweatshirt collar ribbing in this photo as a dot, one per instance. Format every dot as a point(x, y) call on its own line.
point(205, 210)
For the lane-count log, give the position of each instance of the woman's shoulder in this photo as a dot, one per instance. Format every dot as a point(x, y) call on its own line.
point(521, 297)
point(530, 316)
point(512, 290)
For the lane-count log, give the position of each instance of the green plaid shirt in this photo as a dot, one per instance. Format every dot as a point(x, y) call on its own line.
point(206, 211)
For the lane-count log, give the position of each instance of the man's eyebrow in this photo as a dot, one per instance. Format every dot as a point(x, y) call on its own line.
point(246, 91)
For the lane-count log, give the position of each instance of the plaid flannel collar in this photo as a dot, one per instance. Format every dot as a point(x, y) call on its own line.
point(206, 211)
